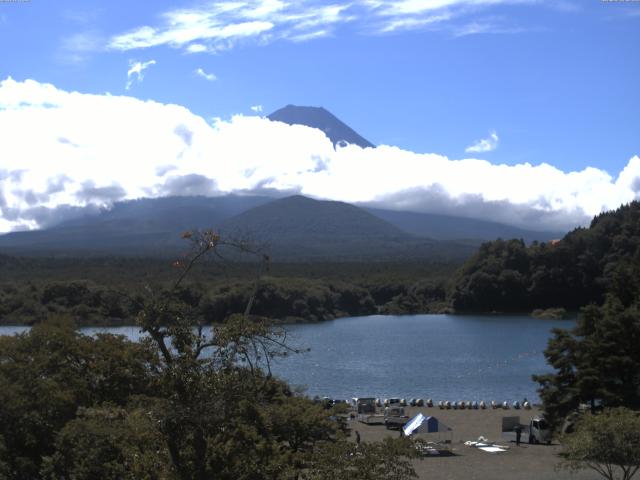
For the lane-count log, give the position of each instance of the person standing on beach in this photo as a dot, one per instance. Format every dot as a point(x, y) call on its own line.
point(518, 431)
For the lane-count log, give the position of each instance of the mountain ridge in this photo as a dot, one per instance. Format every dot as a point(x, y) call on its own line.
point(450, 227)
point(295, 227)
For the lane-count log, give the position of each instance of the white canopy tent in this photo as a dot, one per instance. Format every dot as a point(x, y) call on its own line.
point(428, 427)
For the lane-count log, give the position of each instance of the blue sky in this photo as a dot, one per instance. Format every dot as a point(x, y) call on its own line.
point(525, 81)
point(558, 81)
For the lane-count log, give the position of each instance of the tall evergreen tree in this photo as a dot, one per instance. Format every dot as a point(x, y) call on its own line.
point(597, 362)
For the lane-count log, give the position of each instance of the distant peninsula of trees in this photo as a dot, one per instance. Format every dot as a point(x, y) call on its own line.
point(108, 291)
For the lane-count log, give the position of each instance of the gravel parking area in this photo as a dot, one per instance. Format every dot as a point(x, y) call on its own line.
point(535, 462)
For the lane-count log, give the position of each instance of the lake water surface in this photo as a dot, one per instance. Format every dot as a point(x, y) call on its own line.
point(444, 357)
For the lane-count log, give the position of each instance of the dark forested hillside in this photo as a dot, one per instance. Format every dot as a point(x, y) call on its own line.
point(573, 272)
point(303, 229)
point(294, 228)
point(298, 218)
point(107, 290)
point(148, 226)
point(290, 229)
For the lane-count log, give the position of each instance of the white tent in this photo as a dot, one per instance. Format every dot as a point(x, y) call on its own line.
point(425, 425)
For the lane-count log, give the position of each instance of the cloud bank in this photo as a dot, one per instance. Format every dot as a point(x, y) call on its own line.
point(58, 154)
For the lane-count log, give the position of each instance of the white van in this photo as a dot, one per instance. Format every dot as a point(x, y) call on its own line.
point(539, 431)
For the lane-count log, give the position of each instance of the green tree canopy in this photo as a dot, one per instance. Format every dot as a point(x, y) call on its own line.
point(598, 361)
point(579, 269)
point(608, 443)
point(186, 402)
point(51, 371)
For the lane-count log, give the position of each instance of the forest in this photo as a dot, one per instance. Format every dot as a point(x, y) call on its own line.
point(108, 291)
point(183, 403)
point(502, 276)
point(575, 271)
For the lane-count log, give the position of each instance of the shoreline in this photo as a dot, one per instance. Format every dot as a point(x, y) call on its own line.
point(570, 316)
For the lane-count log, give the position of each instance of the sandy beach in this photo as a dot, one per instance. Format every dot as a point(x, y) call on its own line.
point(537, 462)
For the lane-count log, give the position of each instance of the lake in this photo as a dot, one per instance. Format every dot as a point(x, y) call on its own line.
point(444, 357)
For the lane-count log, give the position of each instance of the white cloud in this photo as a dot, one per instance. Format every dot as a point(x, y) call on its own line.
point(219, 26)
point(196, 48)
point(257, 108)
point(187, 28)
point(140, 148)
point(207, 76)
point(135, 71)
point(460, 17)
point(413, 7)
point(412, 23)
point(488, 144)
point(305, 37)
